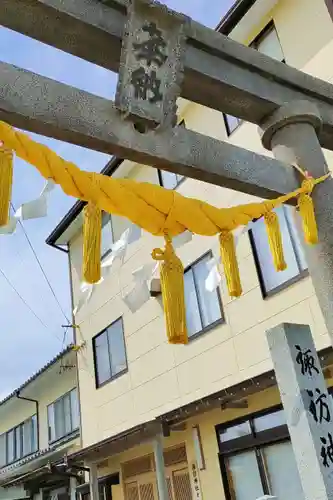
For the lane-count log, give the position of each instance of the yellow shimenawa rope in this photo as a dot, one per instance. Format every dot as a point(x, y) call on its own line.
point(172, 286)
point(275, 240)
point(6, 176)
point(146, 205)
point(230, 263)
point(157, 210)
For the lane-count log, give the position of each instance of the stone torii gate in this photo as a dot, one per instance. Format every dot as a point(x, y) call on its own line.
point(161, 55)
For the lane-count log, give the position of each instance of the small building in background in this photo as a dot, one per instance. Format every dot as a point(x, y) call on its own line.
point(39, 426)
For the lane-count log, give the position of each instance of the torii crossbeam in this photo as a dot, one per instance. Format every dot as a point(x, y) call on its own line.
point(219, 72)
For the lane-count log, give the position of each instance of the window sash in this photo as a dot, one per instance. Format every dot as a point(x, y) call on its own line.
point(266, 470)
point(231, 123)
point(29, 436)
point(192, 308)
point(107, 238)
point(209, 302)
point(263, 436)
point(170, 180)
point(75, 409)
point(59, 418)
point(117, 349)
point(102, 359)
point(270, 279)
point(269, 44)
point(67, 414)
point(281, 471)
point(10, 445)
point(255, 430)
point(244, 479)
point(110, 353)
point(19, 441)
point(203, 308)
point(63, 416)
point(3, 457)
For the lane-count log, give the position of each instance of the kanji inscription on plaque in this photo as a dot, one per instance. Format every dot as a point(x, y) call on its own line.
point(151, 68)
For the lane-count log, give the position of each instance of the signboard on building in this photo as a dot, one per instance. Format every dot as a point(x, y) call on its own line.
point(195, 481)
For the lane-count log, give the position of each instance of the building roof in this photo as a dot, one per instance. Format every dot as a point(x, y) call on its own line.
point(33, 377)
point(234, 15)
point(33, 465)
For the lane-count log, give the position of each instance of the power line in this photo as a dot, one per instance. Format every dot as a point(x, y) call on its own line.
point(24, 302)
point(41, 268)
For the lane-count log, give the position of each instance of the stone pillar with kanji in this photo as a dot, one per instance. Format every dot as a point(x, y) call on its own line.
point(307, 405)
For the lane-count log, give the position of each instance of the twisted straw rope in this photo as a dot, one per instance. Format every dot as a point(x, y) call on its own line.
point(151, 207)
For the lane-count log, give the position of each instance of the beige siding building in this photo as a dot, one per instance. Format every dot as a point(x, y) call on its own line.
point(39, 423)
point(216, 398)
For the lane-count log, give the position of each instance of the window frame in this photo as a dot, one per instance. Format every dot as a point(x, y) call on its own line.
point(122, 372)
point(159, 171)
point(266, 294)
point(219, 321)
point(109, 250)
point(254, 45)
point(74, 431)
point(13, 430)
point(254, 441)
point(270, 26)
point(227, 126)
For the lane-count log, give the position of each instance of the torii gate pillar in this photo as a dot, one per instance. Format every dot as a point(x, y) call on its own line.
point(291, 134)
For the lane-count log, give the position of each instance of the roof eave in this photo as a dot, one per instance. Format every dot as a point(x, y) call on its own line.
point(234, 15)
point(38, 373)
point(77, 208)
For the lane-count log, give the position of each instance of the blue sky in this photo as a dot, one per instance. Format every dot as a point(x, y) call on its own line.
point(26, 343)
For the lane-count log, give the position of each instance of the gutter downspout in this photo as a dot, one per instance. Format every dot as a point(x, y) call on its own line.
point(18, 395)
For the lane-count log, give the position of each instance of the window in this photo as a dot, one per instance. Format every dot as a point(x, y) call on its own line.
point(270, 279)
point(231, 123)
point(18, 442)
point(203, 308)
point(257, 459)
point(107, 235)
point(110, 353)
point(268, 43)
point(63, 416)
point(169, 180)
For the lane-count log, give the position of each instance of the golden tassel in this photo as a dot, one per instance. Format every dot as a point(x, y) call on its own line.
point(230, 264)
point(306, 210)
point(275, 240)
point(172, 286)
point(92, 235)
point(6, 181)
